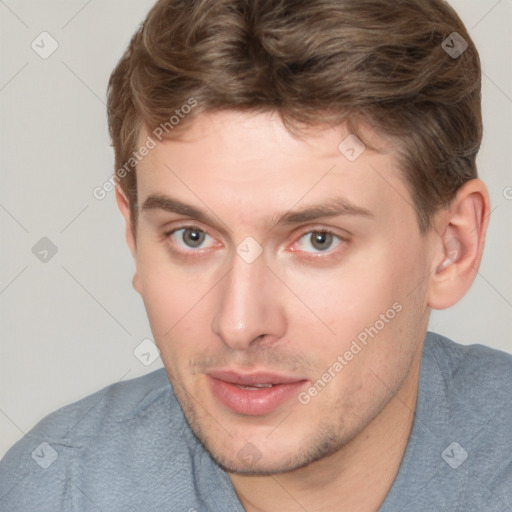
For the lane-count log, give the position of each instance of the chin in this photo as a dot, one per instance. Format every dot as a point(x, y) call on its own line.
point(252, 461)
point(261, 468)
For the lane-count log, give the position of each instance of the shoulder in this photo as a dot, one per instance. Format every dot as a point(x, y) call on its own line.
point(476, 405)
point(472, 370)
point(115, 403)
point(66, 442)
point(459, 453)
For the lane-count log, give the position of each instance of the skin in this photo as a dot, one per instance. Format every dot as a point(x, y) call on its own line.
point(296, 307)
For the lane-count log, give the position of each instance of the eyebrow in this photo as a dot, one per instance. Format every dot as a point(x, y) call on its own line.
point(332, 207)
point(169, 204)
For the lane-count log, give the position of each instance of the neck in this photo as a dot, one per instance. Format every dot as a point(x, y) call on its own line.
point(356, 477)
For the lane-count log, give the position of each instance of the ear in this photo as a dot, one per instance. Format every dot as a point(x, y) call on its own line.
point(124, 207)
point(462, 228)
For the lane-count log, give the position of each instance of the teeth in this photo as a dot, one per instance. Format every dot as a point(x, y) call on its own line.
point(255, 387)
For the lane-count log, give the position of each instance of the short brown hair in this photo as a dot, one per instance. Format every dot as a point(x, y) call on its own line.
point(313, 62)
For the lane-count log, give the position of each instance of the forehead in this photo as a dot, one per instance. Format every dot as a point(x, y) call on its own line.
point(249, 136)
point(250, 163)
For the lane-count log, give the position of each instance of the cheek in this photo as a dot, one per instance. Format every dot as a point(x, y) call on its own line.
point(367, 296)
point(344, 296)
point(173, 299)
point(179, 324)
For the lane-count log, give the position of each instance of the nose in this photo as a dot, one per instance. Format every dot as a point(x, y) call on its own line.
point(249, 305)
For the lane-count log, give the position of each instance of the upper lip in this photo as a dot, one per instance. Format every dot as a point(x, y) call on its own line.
point(251, 379)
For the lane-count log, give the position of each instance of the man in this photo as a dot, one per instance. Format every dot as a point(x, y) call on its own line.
point(299, 187)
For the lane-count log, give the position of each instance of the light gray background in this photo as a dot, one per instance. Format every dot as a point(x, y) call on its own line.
point(70, 325)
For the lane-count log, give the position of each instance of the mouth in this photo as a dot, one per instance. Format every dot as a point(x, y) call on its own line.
point(253, 394)
point(255, 387)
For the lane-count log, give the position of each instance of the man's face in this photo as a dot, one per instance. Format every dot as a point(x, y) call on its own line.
point(265, 259)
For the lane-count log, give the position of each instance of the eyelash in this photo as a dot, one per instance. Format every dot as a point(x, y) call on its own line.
point(305, 255)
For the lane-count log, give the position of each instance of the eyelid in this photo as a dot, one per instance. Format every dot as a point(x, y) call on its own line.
point(189, 225)
point(342, 234)
point(164, 221)
point(176, 225)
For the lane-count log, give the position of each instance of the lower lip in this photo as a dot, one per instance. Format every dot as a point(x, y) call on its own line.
point(252, 402)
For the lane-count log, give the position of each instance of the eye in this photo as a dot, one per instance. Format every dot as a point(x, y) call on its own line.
point(191, 238)
point(318, 241)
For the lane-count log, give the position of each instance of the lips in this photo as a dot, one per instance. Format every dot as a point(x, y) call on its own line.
point(253, 394)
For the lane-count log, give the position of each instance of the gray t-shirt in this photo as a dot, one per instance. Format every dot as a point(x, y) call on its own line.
point(129, 447)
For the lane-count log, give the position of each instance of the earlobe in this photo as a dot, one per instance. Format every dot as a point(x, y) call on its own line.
point(124, 207)
point(462, 231)
point(136, 283)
